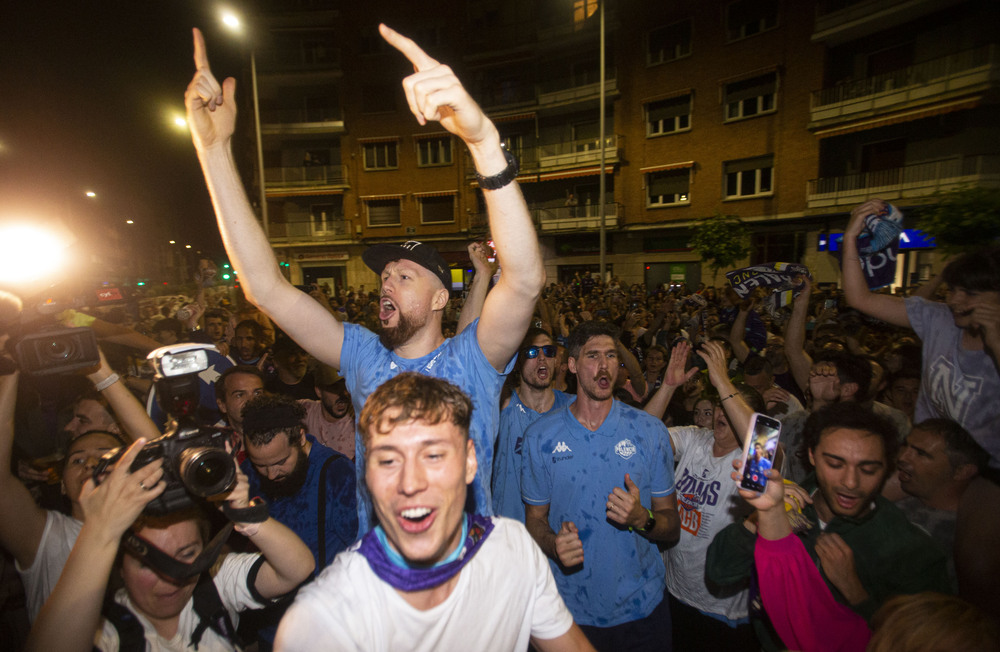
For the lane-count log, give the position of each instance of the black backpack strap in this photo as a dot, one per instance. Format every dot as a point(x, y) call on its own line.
point(131, 635)
point(211, 613)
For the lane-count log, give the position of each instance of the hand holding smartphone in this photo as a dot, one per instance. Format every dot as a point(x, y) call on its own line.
point(760, 448)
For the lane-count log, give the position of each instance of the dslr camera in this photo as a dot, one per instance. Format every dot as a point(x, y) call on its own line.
point(196, 464)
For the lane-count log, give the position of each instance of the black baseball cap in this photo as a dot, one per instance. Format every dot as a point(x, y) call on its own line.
point(378, 256)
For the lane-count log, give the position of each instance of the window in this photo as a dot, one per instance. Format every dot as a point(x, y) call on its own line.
point(380, 156)
point(327, 219)
point(668, 187)
point(434, 210)
point(383, 212)
point(668, 116)
point(669, 43)
point(749, 177)
point(748, 17)
point(750, 97)
point(434, 151)
point(785, 247)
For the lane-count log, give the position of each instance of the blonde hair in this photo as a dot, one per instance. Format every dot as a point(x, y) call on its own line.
point(930, 622)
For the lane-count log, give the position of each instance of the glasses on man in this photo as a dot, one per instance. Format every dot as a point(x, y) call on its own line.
point(549, 351)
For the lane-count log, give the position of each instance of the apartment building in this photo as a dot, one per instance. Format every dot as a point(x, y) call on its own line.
point(784, 113)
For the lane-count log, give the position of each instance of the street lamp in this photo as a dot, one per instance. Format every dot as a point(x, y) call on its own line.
point(233, 23)
point(601, 188)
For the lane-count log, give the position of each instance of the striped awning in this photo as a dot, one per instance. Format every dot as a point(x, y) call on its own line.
point(898, 117)
point(436, 193)
point(378, 139)
point(668, 166)
point(579, 172)
point(379, 197)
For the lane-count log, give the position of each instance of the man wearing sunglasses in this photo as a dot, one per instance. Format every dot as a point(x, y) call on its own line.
point(533, 396)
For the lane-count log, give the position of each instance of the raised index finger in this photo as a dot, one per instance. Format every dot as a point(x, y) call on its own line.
point(420, 59)
point(200, 55)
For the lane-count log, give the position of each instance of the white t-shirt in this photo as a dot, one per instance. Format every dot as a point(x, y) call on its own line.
point(707, 501)
point(40, 578)
point(505, 595)
point(230, 581)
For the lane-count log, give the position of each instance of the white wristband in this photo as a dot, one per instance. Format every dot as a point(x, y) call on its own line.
point(107, 382)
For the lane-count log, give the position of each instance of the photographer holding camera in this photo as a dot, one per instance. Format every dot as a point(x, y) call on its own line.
point(169, 600)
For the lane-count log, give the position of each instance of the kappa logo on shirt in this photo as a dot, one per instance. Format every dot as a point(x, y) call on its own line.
point(561, 447)
point(625, 449)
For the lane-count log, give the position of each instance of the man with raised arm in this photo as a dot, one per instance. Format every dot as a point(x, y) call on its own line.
point(414, 277)
point(961, 337)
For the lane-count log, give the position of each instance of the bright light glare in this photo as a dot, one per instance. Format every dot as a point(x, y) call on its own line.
point(129, 222)
point(29, 253)
point(91, 194)
point(231, 20)
point(173, 242)
point(187, 246)
point(180, 122)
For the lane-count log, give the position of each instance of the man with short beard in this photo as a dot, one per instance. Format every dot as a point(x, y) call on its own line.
point(331, 418)
point(309, 487)
point(534, 396)
point(416, 280)
point(598, 487)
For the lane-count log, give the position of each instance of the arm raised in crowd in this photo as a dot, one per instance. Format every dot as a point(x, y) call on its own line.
point(72, 613)
point(799, 362)
point(736, 408)
point(740, 348)
point(128, 411)
point(22, 522)
point(674, 376)
point(211, 113)
point(473, 306)
point(881, 306)
point(435, 94)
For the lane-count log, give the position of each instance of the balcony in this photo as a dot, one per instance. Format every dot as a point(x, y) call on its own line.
point(575, 218)
point(315, 121)
point(577, 152)
point(559, 219)
point(839, 21)
point(315, 57)
point(570, 90)
point(939, 79)
point(311, 231)
point(312, 177)
point(911, 181)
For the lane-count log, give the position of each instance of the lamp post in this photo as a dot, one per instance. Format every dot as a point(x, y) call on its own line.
point(233, 23)
point(600, 128)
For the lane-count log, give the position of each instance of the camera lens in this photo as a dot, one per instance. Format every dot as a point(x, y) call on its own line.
point(207, 472)
point(57, 350)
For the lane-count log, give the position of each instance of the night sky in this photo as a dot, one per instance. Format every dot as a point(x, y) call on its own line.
point(88, 90)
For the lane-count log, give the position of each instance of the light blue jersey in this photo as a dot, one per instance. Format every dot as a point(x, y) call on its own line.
point(514, 420)
point(365, 364)
point(573, 470)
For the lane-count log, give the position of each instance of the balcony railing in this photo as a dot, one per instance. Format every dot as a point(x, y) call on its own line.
point(313, 229)
point(301, 59)
point(305, 176)
point(570, 89)
point(576, 152)
point(575, 218)
point(931, 78)
point(300, 116)
point(906, 182)
point(561, 218)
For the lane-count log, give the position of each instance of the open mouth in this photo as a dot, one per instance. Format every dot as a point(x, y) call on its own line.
point(416, 519)
point(386, 308)
point(847, 502)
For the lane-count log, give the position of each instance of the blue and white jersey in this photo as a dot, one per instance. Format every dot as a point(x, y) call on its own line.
point(514, 420)
point(365, 364)
point(573, 470)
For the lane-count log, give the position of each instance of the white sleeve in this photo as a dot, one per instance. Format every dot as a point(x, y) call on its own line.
point(233, 583)
point(306, 623)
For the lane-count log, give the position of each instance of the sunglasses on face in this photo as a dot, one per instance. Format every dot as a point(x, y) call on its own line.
point(549, 351)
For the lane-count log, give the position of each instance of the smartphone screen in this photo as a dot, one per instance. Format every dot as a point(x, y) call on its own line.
point(759, 452)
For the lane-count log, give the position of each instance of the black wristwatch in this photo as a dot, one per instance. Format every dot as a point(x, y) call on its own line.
point(503, 177)
point(650, 524)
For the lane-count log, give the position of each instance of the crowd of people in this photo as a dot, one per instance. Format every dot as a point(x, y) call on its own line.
point(552, 465)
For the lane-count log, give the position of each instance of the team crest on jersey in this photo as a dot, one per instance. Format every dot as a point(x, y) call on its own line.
point(625, 449)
